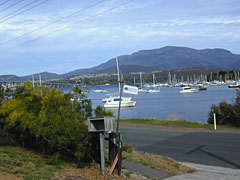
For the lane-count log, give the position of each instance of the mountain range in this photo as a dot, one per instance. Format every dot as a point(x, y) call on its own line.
point(169, 57)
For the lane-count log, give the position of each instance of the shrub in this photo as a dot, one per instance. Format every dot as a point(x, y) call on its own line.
point(100, 112)
point(128, 149)
point(47, 120)
point(226, 114)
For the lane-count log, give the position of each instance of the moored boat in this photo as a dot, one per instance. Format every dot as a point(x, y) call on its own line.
point(113, 101)
point(188, 89)
point(234, 86)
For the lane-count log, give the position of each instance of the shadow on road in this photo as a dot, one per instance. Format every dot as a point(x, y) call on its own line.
point(200, 148)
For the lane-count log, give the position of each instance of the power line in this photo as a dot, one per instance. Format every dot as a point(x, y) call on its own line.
point(11, 6)
point(25, 10)
point(88, 18)
point(37, 29)
point(19, 9)
point(4, 2)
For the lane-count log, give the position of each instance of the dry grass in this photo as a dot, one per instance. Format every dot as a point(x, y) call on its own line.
point(157, 162)
point(20, 164)
point(90, 173)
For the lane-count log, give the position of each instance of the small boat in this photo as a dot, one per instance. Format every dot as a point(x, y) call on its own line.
point(153, 91)
point(188, 89)
point(202, 88)
point(234, 86)
point(142, 90)
point(113, 102)
point(154, 86)
point(100, 91)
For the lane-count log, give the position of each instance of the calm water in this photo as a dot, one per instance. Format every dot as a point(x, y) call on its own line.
point(169, 102)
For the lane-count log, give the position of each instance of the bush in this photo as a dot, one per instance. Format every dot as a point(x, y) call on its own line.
point(48, 121)
point(128, 149)
point(100, 112)
point(226, 114)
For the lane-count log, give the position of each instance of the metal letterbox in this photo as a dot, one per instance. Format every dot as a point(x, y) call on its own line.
point(102, 124)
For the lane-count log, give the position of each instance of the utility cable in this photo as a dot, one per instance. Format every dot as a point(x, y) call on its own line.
point(11, 6)
point(4, 2)
point(19, 9)
point(65, 17)
point(88, 18)
point(24, 11)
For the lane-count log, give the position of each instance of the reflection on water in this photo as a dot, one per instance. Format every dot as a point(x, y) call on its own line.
point(169, 103)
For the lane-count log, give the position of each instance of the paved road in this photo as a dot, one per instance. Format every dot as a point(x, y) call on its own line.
point(209, 148)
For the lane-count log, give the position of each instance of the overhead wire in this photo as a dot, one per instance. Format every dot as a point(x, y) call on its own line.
point(65, 17)
point(19, 10)
point(4, 2)
point(11, 6)
point(88, 18)
point(24, 11)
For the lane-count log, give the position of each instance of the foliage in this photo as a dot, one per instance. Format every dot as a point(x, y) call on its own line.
point(100, 112)
point(128, 149)
point(25, 164)
point(226, 114)
point(48, 120)
point(1, 94)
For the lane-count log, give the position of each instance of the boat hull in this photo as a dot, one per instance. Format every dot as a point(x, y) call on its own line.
point(123, 104)
point(188, 91)
point(153, 91)
point(234, 86)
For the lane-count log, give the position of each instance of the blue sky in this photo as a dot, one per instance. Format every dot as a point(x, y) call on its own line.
point(94, 38)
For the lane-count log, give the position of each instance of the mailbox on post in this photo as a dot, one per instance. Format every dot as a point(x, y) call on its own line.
point(102, 124)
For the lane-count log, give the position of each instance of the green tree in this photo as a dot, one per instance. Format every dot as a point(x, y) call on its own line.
point(100, 112)
point(49, 120)
point(226, 114)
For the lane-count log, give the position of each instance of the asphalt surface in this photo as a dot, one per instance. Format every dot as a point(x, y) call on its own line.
point(145, 170)
point(194, 146)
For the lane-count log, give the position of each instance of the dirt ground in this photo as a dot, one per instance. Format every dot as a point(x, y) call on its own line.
point(5, 176)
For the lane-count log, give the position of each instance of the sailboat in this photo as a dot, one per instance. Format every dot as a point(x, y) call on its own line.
point(141, 89)
point(113, 101)
point(154, 86)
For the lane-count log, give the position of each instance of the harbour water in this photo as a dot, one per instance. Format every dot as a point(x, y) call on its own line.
point(169, 103)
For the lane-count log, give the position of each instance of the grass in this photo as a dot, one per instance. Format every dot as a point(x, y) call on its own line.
point(26, 165)
point(20, 164)
point(172, 123)
point(160, 163)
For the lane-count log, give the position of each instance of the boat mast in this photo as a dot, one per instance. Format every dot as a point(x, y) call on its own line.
point(153, 81)
point(33, 81)
point(40, 80)
point(119, 84)
point(141, 78)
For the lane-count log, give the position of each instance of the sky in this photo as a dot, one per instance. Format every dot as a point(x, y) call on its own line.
point(60, 36)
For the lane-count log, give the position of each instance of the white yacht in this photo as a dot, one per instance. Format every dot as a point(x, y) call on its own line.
point(113, 101)
point(100, 91)
point(188, 89)
point(153, 91)
point(154, 85)
point(141, 90)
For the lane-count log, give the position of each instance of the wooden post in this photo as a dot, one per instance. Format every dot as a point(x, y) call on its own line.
point(112, 147)
point(113, 165)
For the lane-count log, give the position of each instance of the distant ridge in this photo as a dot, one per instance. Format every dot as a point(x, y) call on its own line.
point(44, 76)
point(169, 57)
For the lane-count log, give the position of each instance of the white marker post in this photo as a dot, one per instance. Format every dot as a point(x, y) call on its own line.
point(215, 123)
